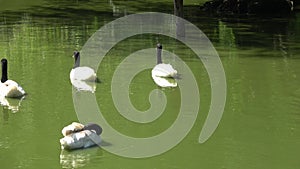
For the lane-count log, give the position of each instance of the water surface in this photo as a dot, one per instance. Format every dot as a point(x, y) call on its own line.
point(260, 124)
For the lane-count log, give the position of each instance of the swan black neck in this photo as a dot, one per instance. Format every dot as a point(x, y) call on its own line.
point(159, 49)
point(4, 70)
point(77, 59)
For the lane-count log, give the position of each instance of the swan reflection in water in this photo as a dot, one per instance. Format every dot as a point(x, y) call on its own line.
point(164, 82)
point(84, 86)
point(79, 158)
point(12, 104)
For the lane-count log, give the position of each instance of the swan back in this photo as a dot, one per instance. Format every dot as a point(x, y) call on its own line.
point(83, 73)
point(164, 70)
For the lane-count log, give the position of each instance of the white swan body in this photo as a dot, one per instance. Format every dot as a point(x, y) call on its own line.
point(81, 73)
point(80, 136)
point(9, 88)
point(82, 139)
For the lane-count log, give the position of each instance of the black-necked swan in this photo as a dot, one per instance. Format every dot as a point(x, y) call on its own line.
point(163, 74)
point(162, 69)
point(77, 135)
point(81, 73)
point(9, 88)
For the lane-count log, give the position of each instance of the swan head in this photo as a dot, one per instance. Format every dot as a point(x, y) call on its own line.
point(159, 46)
point(76, 55)
point(4, 61)
point(4, 70)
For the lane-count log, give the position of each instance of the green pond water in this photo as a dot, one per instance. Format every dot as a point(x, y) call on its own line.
point(260, 126)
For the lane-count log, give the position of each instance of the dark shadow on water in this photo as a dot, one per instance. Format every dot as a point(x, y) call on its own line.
point(105, 144)
point(269, 36)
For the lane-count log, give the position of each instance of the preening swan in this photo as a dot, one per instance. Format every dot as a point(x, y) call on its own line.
point(163, 74)
point(162, 69)
point(80, 136)
point(9, 88)
point(81, 73)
